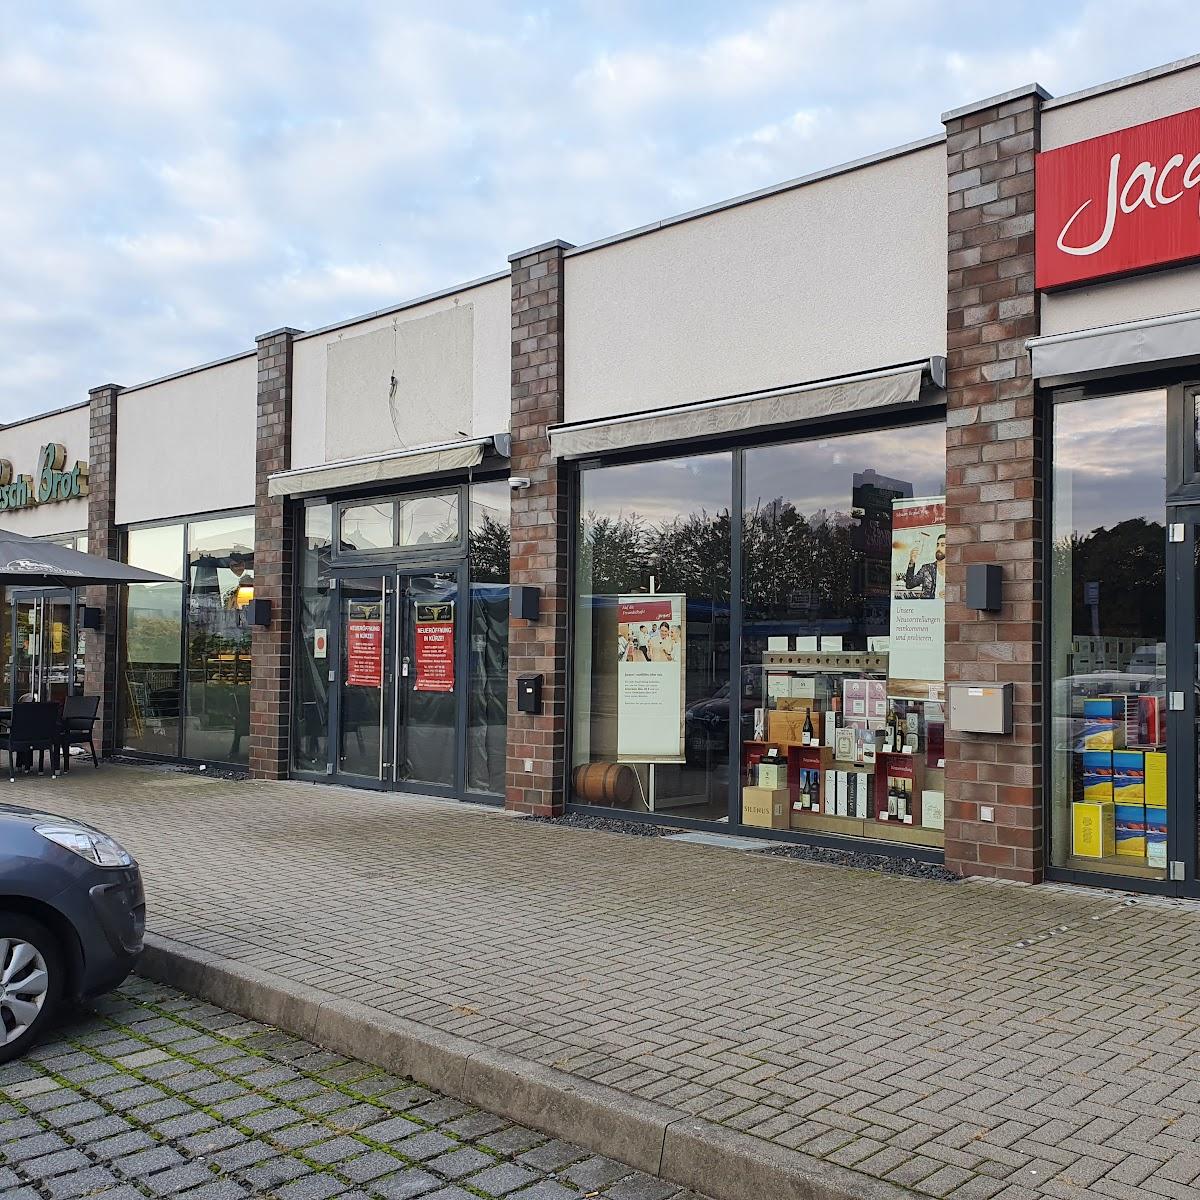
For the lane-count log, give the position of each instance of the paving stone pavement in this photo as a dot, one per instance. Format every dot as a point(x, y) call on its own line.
point(156, 1094)
point(971, 1040)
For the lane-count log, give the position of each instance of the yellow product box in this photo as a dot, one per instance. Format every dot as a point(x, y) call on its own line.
point(1093, 830)
point(1156, 779)
point(766, 808)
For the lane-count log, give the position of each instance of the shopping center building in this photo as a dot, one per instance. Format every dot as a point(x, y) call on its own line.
point(860, 510)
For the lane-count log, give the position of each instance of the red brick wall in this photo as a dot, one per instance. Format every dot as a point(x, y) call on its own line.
point(271, 648)
point(993, 482)
point(100, 645)
point(539, 532)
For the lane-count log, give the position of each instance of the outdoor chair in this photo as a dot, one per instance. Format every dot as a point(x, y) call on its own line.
point(75, 729)
point(34, 726)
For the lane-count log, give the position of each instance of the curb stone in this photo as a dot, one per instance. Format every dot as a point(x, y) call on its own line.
point(721, 1163)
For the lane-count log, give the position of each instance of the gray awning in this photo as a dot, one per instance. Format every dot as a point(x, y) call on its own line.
point(895, 387)
point(1155, 341)
point(385, 468)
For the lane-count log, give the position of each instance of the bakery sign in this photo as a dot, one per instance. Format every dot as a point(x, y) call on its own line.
point(51, 482)
point(1127, 201)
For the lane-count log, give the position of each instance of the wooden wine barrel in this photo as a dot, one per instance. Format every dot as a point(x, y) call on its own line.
point(604, 783)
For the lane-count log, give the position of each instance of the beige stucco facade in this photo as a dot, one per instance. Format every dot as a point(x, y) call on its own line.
point(764, 294)
point(185, 444)
point(448, 356)
point(20, 444)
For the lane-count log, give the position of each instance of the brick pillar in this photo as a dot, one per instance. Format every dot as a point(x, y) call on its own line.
point(539, 532)
point(271, 648)
point(993, 480)
point(100, 645)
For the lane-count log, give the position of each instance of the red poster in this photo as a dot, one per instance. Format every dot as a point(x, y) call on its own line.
point(434, 648)
point(364, 654)
point(1123, 202)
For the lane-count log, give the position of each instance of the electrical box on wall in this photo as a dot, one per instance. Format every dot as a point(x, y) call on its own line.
point(529, 694)
point(984, 586)
point(980, 707)
point(93, 618)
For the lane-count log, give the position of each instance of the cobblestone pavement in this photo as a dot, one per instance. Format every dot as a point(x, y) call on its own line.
point(961, 1039)
point(160, 1095)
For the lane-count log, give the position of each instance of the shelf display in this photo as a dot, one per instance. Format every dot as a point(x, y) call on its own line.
point(1118, 774)
point(853, 760)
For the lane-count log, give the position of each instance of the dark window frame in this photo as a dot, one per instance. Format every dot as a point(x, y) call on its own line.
point(928, 412)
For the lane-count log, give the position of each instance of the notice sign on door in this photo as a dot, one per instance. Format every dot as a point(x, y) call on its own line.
point(364, 654)
point(650, 678)
point(433, 647)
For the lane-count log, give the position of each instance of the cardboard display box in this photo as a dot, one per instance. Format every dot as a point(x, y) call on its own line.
point(766, 808)
point(1093, 830)
point(786, 726)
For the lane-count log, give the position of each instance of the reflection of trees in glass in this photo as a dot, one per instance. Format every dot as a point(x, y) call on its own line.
point(1129, 563)
point(795, 564)
point(152, 639)
point(488, 550)
point(688, 554)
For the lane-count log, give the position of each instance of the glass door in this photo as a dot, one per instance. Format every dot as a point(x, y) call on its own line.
point(43, 659)
point(1178, 840)
point(428, 690)
point(359, 714)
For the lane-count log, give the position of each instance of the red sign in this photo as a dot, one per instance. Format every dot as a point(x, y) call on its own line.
point(645, 610)
point(434, 648)
point(364, 654)
point(1118, 203)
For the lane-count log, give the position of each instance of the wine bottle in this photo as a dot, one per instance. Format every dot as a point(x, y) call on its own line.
point(807, 731)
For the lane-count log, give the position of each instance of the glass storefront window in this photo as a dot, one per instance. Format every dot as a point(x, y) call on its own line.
point(151, 641)
point(220, 586)
point(1108, 805)
point(367, 527)
point(652, 699)
point(487, 694)
point(843, 590)
point(427, 520)
point(310, 709)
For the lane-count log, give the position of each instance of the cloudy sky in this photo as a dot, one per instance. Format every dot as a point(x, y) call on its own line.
point(179, 177)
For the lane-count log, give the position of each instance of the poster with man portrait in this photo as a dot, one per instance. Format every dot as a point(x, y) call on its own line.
point(917, 637)
point(650, 678)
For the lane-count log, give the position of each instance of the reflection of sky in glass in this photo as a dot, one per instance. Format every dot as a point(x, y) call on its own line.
point(659, 491)
point(819, 474)
point(1109, 461)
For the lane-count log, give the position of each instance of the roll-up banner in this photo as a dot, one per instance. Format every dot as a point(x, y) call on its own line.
point(917, 641)
point(650, 678)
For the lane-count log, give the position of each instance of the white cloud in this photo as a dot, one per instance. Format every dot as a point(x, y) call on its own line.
point(179, 178)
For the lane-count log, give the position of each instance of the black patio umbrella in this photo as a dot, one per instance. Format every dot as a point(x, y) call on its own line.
point(33, 563)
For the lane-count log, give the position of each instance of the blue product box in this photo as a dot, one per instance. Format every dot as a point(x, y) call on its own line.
point(1097, 771)
point(1106, 707)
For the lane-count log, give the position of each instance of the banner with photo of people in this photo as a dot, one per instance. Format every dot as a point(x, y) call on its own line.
point(917, 633)
point(650, 678)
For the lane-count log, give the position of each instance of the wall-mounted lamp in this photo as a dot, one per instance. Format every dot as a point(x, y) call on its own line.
point(525, 601)
point(984, 586)
point(518, 483)
point(258, 612)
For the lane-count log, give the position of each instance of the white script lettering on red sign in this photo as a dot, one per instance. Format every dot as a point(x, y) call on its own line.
point(1123, 202)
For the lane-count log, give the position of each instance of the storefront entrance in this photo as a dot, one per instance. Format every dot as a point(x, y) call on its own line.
point(46, 657)
point(1124, 645)
point(399, 709)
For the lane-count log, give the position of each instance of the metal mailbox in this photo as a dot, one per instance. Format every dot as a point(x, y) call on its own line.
point(980, 707)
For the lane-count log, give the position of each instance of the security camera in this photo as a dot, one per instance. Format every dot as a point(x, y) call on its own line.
point(518, 482)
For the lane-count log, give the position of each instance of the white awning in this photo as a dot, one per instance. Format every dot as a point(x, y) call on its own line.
point(385, 468)
point(1154, 341)
point(893, 387)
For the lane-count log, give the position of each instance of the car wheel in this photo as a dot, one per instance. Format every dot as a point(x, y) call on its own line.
point(31, 982)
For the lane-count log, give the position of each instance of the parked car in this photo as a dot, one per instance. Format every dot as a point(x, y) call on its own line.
point(72, 916)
